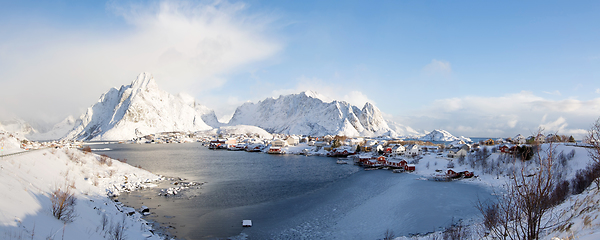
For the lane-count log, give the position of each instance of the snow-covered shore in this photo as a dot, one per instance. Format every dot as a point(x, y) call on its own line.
point(577, 215)
point(28, 179)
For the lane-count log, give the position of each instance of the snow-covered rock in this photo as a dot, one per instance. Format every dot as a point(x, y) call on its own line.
point(139, 109)
point(442, 136)
point(307, 114)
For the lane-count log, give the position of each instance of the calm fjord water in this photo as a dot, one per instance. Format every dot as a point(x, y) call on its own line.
point(290, 197)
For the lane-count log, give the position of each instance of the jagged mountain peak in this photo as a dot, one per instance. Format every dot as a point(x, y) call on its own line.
point(144, 81)
point(316, 95)
point(306, 113)
point(140, 108)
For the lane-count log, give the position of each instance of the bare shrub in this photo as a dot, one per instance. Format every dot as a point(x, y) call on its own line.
point(87, 149)
point(104, 222)
point(560, 193)
point(456, 231)
point(63, 205)
point(103, 159)
point(583, 179)
point(520, 213)
point(117, 230)
point(389, 235)
point(593, 138)
point(450, 164)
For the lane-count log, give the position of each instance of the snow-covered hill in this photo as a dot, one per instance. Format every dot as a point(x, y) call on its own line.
point(17, 126)
point(28, 180)
point(307, 114)
point(57, 132)
point(402, 130)
point(139, 109)
point(442, 136)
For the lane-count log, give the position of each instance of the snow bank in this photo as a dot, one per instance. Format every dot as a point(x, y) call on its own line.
point(28, 179)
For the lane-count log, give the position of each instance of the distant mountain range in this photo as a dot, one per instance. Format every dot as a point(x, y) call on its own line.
point(306, 114)
point(141, 108)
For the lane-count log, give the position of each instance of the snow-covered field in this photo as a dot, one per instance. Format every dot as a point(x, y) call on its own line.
point(28, 179)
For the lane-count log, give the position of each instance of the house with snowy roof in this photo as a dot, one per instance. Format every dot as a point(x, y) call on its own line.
point(293, 140)
point(398, 150)
point(413, 149)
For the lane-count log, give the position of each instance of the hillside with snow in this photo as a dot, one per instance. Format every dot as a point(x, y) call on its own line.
point(442, 136)
point(29, 179)
point(307, 114)
point(139, 109)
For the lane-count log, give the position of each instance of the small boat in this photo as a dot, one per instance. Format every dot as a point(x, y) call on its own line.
point(399, 170)
point(339, 161)
point(246, 223)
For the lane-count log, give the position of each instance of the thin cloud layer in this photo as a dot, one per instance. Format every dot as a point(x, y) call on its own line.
point(328, 91)
point(437, 68)
point(187, 46)
point(507, 115)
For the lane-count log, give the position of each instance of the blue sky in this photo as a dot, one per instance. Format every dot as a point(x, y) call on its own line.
point(474, 68)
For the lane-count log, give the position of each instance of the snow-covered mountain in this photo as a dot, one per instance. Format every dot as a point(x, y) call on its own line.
point(18, 126)
point(139, 109)
point(57, 132)
point(402, 130)
point(442, 136)
point(307, 114)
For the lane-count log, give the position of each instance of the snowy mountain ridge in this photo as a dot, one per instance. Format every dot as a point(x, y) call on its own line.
point(139, 109)
point(440, 135)
point(306, 113)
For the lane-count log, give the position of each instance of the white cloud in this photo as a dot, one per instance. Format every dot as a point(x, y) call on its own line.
point(329, 91)
point(555, 92)
point(437, 68)
point(187, 46)
point(506, 116)
point(598, 90)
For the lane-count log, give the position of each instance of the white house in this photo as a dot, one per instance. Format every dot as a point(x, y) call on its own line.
point(457, 153)
point(278, 143)
point(398, 150)
point(414, 149)
point(293, 140)
point(430, 148)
